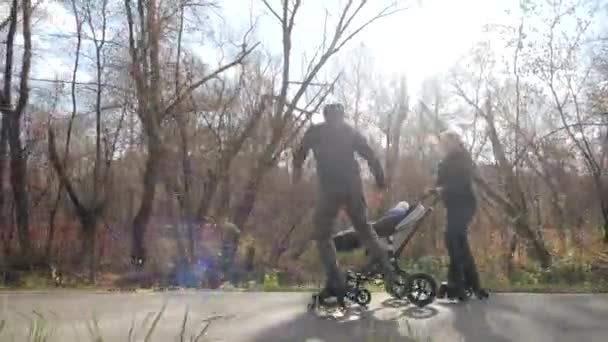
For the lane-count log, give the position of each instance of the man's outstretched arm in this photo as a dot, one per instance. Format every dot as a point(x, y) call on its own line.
point(363, 148)
point(301, 152)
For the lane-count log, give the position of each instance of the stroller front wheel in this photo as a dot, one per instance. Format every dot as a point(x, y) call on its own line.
point(363, 297)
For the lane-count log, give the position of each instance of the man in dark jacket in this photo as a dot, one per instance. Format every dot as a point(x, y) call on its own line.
point(454, 180)
point(334, 144)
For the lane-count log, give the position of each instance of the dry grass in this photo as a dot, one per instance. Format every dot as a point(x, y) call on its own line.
point(42, 329)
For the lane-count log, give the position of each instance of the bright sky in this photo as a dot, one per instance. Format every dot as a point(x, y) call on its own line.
point(424, 39)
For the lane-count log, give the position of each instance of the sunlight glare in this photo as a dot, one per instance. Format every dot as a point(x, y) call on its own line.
point(427, 40)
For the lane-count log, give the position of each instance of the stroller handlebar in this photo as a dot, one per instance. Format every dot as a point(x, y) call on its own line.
point(430, 194)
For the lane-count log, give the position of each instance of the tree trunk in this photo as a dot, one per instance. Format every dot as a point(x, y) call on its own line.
point(4, 223)
point(182, 260)
point(19, 185)
point(249, 259)
point(282, 245)
point(88, 223)
point(209, 190)
point(230, 245)
point(247, 202)
point(393, 147)
point(49, 241)
point(243, 210)
point(511, 256)
point(605, 216)
point(141, 220)
point(223, 202)
point(539, 249)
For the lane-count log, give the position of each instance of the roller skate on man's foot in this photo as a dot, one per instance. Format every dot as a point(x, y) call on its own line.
point(328, 298)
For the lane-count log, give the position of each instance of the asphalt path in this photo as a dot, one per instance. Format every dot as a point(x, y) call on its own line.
point(278, 316)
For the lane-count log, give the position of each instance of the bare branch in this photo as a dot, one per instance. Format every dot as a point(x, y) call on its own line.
point(26, 60)
point(205, 79)
point(274, 13)
point(5, 104)
point(5, 22)
point(85, 84)
point(179, 49)
point(484, 141)
point(323, 92)
point(388, 11)
point(79, 23)
point(293, 14)
point(236, 144)
point(54, 158)
point(577, 110)
point(468, 100)
point(110, 156)
point(215, 133)
point(135, 67)
point(494, 194)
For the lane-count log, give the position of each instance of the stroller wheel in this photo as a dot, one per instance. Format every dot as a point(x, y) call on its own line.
point(363, 297)
point(400, 287)
point(421, 289)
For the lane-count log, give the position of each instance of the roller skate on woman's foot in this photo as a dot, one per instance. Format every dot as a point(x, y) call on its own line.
point(481, 294)
point(452, 293)
point(446, 292)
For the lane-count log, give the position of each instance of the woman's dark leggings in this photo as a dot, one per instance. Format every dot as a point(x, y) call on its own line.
point(462, 272)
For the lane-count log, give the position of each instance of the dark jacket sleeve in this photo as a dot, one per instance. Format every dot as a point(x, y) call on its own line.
point(309, 139)
point(363, 149)
point(440, 174)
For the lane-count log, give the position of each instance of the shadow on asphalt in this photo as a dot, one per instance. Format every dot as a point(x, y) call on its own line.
point(395, 303)
point(410, 311)
point(359, 326)
point(471, 322)
point(415, 312)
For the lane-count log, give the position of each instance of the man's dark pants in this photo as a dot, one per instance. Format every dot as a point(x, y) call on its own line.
point(328, 207)
point(462, 270)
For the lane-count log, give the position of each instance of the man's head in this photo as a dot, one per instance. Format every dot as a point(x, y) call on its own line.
point(333, 112)
point(450, 141)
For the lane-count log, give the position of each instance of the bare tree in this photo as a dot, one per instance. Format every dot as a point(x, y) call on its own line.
point(230, 116)
point(392, 127)
point(145, 30)
point(515, 204)
point(561, 73)
point(13, 114)
point(89, 206)
point(353, 86)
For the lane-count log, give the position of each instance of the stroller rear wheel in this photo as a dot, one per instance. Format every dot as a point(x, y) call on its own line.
point(400, 287)
point(421, 289)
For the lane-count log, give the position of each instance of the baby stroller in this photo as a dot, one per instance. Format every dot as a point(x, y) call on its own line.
point(396, 228)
